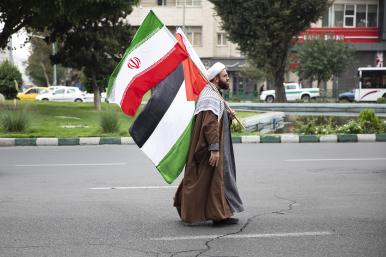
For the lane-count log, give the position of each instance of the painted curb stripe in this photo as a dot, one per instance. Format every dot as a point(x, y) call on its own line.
point(244, 139)
point(380, 137)
point(68, 141)
point(347, 138)
point(308, 139)
point(25, 141)
point(110, 141)
point(270, 139)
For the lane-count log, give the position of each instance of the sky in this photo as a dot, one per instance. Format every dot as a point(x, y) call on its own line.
point(21, 53)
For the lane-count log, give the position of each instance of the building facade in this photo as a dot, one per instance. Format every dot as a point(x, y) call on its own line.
point(361, 23)
point(202, 27)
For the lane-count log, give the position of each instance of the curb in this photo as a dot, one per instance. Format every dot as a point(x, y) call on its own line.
point(285, 138)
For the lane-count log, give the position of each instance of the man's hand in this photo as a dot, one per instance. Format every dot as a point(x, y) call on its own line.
point(232, 114)
point(214, 158)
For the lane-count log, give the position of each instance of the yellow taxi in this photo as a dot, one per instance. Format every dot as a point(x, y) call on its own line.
point(31, 93)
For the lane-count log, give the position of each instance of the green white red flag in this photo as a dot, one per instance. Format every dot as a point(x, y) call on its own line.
point(152, 55)
point(163, 130)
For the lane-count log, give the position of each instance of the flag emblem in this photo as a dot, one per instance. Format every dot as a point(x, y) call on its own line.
point(134, 63)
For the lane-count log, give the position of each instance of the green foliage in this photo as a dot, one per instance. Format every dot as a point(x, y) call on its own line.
point(320, 58)
point(381, 100)
point(9, 76)
point(264, 30)
point(315, 125)
point(109, 121)
point(366, 123)
point(369, 122)
point(236, 127)
point(56, 15)
point(39, 66)
point(13, 119)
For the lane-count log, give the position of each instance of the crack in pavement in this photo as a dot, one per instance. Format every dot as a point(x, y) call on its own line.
point(249, 220)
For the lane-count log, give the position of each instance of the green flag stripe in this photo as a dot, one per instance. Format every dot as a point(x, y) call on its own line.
point(149, 27)
point(173, 163)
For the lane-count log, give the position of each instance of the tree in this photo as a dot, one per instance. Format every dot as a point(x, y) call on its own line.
point(10, 78)
point(18, 14)
point(39, 66)
point(264, 30)
point(95, 47)
point(322, 58)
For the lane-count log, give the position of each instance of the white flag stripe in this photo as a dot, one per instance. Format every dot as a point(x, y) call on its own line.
point(170, 128)
point(149, 53)
point(235, 236)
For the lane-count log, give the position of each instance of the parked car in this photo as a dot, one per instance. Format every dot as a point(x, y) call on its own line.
point(293, 92)
point(347, 96)
point(89, 97)
point(63, 94)
point(31, 93)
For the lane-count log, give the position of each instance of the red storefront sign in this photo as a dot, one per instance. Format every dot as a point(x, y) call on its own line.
point(350, 35)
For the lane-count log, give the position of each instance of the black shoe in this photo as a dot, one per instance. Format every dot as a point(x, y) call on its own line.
point(225, 222)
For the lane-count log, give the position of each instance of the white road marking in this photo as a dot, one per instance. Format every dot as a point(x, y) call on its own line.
point(296, 234)
point(136, 187)
point(349, 159)
point(71, 164)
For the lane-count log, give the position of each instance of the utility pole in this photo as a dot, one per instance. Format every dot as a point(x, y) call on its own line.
point(10, 54)
point(54, 79)
point(183, 16)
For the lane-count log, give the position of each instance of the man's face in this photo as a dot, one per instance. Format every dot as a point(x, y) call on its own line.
point(223, 80)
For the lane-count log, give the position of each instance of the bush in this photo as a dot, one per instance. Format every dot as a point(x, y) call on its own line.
point(14, 120)
point(9, 75)
point(315, 125)
point(366, 123)
point(369, 122)
point(109, 121)
point(381, 100)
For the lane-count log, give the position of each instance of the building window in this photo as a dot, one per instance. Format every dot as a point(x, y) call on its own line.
point(351, 15)
point(189, 3)
point(361, 16)
point(372, 15)
point(161, 2)
point(194, 34)
point(222, 39)
point(338, 15)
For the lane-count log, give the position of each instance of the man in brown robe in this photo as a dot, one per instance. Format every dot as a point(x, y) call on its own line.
point(208, 190)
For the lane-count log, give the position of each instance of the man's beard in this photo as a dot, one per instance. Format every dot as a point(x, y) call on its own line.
point(223, 85)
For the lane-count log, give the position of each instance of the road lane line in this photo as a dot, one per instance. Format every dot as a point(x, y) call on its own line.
point(134, 187)
point(71, 164)
point(236, 236)
point(349, 159)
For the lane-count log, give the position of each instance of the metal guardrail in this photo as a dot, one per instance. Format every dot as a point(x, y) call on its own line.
point(313, 108)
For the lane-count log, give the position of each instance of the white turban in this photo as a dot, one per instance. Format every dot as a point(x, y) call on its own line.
point(214, 70)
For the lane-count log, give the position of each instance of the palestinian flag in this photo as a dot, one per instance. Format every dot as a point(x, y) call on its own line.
point(152, 55)
point(164, 128)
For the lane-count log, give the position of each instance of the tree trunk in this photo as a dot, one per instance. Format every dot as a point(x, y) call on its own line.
point(97, 95)
point(45, 74)
point(278, 79)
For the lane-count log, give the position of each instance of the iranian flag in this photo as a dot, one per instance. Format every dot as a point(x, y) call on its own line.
point(163, 130)
point(152, 55)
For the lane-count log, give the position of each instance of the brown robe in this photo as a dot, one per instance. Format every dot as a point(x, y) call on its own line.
point(201, 194)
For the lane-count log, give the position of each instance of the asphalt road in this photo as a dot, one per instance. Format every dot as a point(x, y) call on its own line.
point(322, 199)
